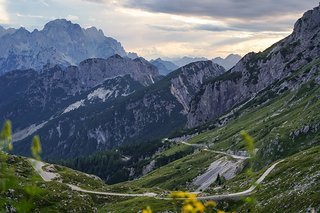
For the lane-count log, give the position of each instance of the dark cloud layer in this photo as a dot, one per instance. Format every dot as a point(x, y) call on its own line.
point(238, 15)
point(243, 9)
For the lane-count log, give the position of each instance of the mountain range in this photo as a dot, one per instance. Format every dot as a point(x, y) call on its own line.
point(120, 119)
point(171, 64)
point(228, 62)
point(30, 97)
point(59, 42)
point(164, 67)
point(180, 62)
point(146, 114)
point(191, 96)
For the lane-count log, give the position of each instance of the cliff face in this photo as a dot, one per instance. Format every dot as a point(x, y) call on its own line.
point(29, 97)
point(256, 71)
point(187, 84)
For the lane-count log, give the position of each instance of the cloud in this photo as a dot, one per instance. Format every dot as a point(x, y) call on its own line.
point(4, 17)
point(72, 18)
point(244, 9)
point(32, 16)
point(214, 28)
point(250, 15)
point(243, 15)
point(44, 2)
point(172, 28)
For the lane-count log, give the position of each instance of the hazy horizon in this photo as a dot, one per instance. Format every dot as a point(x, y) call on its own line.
point(165, 28)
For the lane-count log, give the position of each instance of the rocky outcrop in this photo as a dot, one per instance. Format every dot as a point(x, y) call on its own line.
point(93, 72)
point(187, 83)
point(256, 71)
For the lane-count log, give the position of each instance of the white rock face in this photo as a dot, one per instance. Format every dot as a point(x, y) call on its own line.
point(60, 42)
point(22, 134)
point(224, 167)
point(148, 168)
point(100, 93)
point(74, 106)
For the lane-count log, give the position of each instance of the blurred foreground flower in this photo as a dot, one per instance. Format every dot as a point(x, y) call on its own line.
point(147, 210)
point(36, 147)
point(192, 205)
point(249, 142)
point(6, 136)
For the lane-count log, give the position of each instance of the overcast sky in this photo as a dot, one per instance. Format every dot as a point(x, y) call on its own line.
point(169, 28)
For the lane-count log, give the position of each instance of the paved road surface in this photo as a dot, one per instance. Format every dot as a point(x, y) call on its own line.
point(243, 193)
point(50, 176)
point(205, 148)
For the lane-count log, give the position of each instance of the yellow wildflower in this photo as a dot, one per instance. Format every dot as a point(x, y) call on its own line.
point(147, 210)
point(187, 209)
point(211, 204)
point(199, 207)
point(191, 196)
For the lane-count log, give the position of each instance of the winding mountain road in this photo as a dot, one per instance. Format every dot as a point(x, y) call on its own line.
point(205, 148)
point(46, 176)
point(225, 167)
point(243, 193)
point(51, 176)
point(76, 188)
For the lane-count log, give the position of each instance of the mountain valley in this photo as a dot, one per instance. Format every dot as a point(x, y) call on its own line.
point(119, 133)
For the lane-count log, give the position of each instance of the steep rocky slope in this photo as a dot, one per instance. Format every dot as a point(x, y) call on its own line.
point(256, 71)
point(29, 97)
point(147, 114)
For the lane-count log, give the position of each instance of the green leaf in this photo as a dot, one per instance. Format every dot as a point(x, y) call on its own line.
point(33, 190)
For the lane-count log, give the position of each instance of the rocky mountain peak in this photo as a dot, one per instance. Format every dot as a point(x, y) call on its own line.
point(22, 31)
point(133, 55)
point(141, 60)
point(59, 24)
point(61, 29)
point(199, 65)
point(116, 56)
point(227, 62)
point(4, 31)
point(308, 24)
point(164, 67)
point(60, 42)
point(93, 32)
